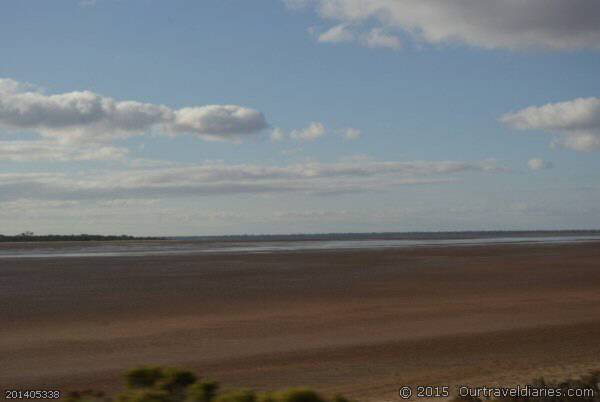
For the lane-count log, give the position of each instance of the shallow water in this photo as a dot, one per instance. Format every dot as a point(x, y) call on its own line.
point(176, 247)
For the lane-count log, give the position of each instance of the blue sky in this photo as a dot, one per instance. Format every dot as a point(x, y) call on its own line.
point(393, 116)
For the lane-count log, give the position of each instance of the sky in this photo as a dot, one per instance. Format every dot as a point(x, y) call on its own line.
point(298, 116)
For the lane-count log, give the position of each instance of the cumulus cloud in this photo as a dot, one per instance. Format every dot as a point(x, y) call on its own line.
point(378, 38)
point(351, 134)
point(218, 179)
point(576, 123)
point(84, 116)
point(508, 24)
point(312, 132)
point(217, 122)
point(539, 164)
point(277, 135)
point(82, 125)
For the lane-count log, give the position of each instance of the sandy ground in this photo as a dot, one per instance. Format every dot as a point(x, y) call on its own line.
point(361, 323)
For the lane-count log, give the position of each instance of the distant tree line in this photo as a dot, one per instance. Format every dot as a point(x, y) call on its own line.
point(32, 237)
point(456, 235)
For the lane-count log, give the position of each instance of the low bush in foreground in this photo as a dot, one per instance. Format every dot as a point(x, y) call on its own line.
point(156, 384)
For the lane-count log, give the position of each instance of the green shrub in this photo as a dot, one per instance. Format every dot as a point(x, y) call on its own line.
point(299, 395)
point(155, 384)
point(204, 391)
point(340, 398)
point(174, 380)
point(143, 377)
point(267, 397)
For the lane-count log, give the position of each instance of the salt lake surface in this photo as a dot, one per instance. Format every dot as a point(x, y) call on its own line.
point(186, 247)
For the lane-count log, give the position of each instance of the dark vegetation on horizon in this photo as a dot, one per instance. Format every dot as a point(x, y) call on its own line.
point(31, 237)
point(156, 384)
point(457, 235)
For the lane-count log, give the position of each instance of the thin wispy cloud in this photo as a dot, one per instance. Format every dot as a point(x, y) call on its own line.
point(539, 164)
point(337, 34)
point(351, 134)
point(219, 178)
point(49, 150)
point(374, 38)
point(378, 38)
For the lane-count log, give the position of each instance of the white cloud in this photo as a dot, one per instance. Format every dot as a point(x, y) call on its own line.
point(277, 135)
point(48, 150)
point(312, 132)
point(88, 117)
point(337, 34)
point(75, 116)
point(576, 122)
point(24, 205)
point(351, 134)
point(217, 122)
point(218, 179)
point(82, 125)
point(377, 38)
point(509, 24)
point(539, 164)
point(584, 142)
